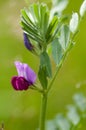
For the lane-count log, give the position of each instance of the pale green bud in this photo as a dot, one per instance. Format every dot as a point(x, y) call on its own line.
point(74, 22)
point(83, 8)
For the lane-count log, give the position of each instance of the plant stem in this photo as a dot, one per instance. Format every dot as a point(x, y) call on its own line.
point(54, 77)
point(45, 93)
point(43, 111)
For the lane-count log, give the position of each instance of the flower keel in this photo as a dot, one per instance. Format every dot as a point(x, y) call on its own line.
point(19, 83)
point(26, 77)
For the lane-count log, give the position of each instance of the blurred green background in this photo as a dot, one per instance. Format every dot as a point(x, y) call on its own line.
point(20, 110)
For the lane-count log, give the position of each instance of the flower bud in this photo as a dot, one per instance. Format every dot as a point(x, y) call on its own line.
point(74, 22)
point(83, 8)
point(27, 43)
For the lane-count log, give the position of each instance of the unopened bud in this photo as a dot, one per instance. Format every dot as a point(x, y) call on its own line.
point(83, 8)
point(27, 43)
point(74, 22)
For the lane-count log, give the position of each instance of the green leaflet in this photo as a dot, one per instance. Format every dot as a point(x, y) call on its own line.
point(64, 36)
point(57, 51)
point(36, 11)
point(45, 61)
point(43, 10)
point(53, 25)
point(42, 76)
point(26, 16)
point(45, 69)
point(30, 32)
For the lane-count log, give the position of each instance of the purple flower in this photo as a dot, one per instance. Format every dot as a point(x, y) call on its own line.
point(27, 43)
point(26, 77)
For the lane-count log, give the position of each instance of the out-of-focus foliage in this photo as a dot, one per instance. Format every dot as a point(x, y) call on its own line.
point(72, 119)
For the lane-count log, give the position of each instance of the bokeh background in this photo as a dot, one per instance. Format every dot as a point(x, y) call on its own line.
point(20, 110)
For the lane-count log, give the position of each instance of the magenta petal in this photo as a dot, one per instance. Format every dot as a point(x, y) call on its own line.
point(19, 83)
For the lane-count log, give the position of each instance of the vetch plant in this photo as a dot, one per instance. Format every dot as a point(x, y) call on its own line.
point(45, 34)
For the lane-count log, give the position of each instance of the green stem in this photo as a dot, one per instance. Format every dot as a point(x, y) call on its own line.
point(57, 70)
point(44, 93)
point(54, 77)
point(43, 111)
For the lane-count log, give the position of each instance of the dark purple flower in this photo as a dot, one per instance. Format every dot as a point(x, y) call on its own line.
point(27, 43)
point(26, 77)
